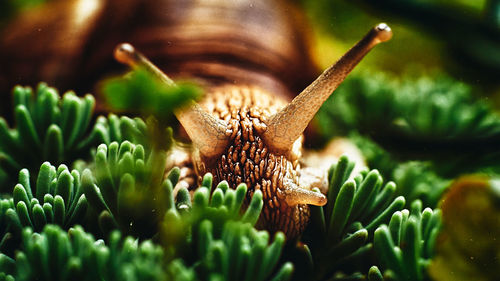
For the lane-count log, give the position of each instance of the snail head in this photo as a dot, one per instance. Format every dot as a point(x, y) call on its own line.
point(243, 134)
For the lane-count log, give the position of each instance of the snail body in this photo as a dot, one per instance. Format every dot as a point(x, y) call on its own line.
point(248, 55)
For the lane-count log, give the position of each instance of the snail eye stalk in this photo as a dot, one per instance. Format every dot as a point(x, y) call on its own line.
point(209, 135)
point(286, 126)
point(126, 54)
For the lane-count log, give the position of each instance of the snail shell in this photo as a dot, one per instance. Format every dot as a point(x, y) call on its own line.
point(68, 42)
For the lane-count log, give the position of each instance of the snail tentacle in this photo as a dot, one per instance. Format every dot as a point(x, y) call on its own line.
point(209, 135)
point(286, 126)
point(295, 195)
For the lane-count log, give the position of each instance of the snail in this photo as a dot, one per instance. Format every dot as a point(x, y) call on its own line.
point(244, 130)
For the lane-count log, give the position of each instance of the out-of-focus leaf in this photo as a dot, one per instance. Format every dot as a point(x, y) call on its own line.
point(468, 247)
point(141, 92)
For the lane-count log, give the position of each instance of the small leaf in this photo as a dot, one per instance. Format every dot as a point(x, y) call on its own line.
point(59, 210)
point(45, 176)
point(342, 210)
point(53, 145)
point(252, 214)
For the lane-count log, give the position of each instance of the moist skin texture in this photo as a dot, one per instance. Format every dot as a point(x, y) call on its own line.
point(248, 159)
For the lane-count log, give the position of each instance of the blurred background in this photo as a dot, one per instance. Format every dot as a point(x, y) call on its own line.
point(458, 37)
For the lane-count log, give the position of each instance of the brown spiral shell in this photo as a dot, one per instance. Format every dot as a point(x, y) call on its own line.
point(69, 43)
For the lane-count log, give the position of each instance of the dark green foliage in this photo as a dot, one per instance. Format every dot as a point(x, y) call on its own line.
point(340, 232)
point(6, 277)
point(57, 198)
point(241, 253)
point(375, 156)
point(471, 40)
point(417, 181)
point(374, 274)
point(211, 232)
point(184, 216)
point(48, 128)
point(436, 120)
point(406, 245)
point(422, 109)
point(55, 129)
point(176, 270)
point(119, 129)
point(130, 193)
point(74, 255)
point(414, 179)
point(9, 235)
point(215, 235)
point(223, 203)
point(459, 36)
point(127, 188)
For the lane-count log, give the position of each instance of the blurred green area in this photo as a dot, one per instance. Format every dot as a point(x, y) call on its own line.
point(8, 8)
point(459, 37)
point(139, 92)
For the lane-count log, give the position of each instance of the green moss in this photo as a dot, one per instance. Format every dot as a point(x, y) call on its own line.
point(55, 254)
point(58, 130)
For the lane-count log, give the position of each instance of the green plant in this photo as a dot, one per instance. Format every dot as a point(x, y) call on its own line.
point(414, 109)
point(241, 253)
point(8, 236)
point(58, 130)
point(341, 231)
point(184, 216)
point(127, 188)
point(213, 233)
point(55, 254)
point(56, 199)
point(207, 233)
point(425, 118)
point(414, 179)
point(405, 246)
point(417, 181)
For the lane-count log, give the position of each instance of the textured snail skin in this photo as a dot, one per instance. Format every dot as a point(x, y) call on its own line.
point(249, 160)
